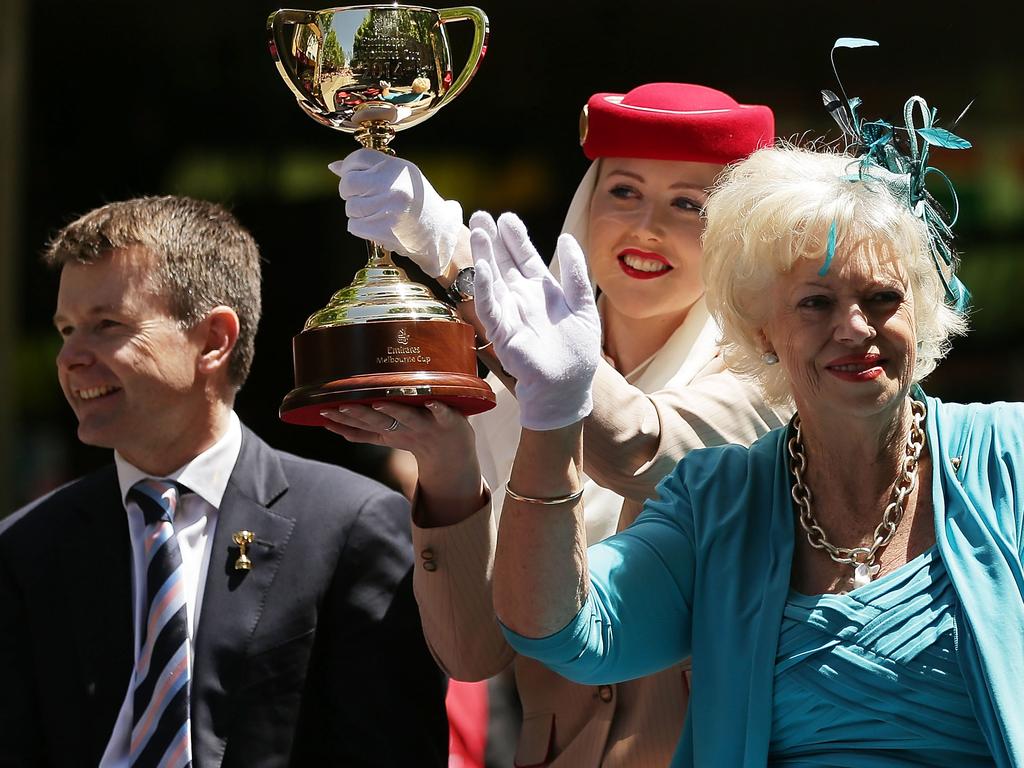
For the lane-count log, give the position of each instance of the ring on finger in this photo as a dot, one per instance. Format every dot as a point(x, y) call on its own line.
point(393, 425)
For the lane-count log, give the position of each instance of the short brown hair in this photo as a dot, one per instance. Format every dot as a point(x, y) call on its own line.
point(204, 258)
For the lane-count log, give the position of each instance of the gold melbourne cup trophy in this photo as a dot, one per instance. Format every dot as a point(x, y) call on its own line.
point(372, 70)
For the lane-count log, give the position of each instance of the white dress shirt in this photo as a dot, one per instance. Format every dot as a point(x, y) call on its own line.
point(195, 520)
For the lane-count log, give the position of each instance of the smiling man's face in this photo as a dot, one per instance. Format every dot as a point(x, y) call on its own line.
point(126, 366)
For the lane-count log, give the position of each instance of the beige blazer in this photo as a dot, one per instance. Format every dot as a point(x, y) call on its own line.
point(631, 441)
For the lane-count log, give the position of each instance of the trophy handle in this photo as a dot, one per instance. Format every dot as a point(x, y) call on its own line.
point(481, 31)
point(278, 23)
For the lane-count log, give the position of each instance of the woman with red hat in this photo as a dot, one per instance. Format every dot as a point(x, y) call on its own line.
point(660, 391)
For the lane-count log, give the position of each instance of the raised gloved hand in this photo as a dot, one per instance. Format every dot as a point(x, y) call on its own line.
point(546, 333)
point(389, 200)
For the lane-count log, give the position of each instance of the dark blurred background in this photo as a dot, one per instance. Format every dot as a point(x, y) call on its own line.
point(105, 100)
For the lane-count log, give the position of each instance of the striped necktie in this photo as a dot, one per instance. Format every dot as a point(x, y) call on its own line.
point(160, 719)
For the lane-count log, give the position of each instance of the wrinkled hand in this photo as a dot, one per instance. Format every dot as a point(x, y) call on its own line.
point(433, 434)
point(389, 200)
point(546, 334)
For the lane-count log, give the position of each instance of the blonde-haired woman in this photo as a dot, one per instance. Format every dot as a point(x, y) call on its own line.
point(661, 390)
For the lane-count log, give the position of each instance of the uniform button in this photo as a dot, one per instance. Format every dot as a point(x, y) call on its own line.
point(605, 692)
point(430, 565)
point(427, 554)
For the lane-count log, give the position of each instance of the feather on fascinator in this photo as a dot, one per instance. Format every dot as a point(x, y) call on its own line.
point(897, 156)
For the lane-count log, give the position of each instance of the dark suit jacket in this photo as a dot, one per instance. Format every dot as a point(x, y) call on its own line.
point(313, 657)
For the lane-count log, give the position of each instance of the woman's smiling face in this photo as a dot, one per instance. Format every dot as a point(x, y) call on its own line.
point(846, 339)
point(644, 234)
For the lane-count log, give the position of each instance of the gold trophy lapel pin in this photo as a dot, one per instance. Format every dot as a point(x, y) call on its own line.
point(243, 539)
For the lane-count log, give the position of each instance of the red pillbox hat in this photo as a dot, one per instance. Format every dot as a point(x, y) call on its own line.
point(674, 121)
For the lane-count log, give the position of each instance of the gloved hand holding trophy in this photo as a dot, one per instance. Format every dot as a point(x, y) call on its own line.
point(372, 70)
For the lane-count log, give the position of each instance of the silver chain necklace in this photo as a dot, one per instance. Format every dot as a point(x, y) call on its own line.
point(862, 559)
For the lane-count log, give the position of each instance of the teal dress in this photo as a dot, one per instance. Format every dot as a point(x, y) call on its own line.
point(704, 572)
point(880, 660)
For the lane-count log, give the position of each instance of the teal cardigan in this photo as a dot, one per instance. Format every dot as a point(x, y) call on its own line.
point(705, 570)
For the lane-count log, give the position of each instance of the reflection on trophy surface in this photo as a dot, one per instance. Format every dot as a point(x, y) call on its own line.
point(372, 70)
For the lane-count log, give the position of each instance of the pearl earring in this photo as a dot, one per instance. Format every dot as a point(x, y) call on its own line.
point(769, 358)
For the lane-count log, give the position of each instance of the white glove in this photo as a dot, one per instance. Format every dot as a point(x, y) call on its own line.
point(389, 200)
point(546, 334)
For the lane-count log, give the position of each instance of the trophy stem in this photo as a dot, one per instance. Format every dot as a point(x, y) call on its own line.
point(376, 134)
point(380, 257)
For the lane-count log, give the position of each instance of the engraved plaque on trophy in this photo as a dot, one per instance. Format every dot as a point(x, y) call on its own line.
point(372, 70)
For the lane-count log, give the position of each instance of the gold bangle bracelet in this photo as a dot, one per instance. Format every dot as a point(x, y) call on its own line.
point(570, 497)
point(485, 346)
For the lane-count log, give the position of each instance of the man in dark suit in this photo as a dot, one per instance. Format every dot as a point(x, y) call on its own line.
point(206, 600)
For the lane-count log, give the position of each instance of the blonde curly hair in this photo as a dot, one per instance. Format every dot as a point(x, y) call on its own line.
point(777, 206)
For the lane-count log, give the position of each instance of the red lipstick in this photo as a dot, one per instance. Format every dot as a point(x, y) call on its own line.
point(857, 368)
point(641, 274)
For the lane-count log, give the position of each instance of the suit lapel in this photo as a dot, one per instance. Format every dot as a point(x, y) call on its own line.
point(233, 599)
point(101, 601)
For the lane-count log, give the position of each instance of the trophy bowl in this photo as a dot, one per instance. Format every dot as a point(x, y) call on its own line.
point(373, 70)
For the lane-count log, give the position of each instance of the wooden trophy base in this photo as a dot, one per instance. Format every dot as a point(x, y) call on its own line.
point(406, 361)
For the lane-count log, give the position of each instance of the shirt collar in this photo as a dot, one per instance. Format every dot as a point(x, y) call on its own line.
point(206, 475)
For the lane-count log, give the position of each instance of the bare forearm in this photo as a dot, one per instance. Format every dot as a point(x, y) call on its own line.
point(443, 500)
point(449, 489)
point(540, 569)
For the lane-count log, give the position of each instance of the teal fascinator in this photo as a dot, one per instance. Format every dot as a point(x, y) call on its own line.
point(897, 156)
